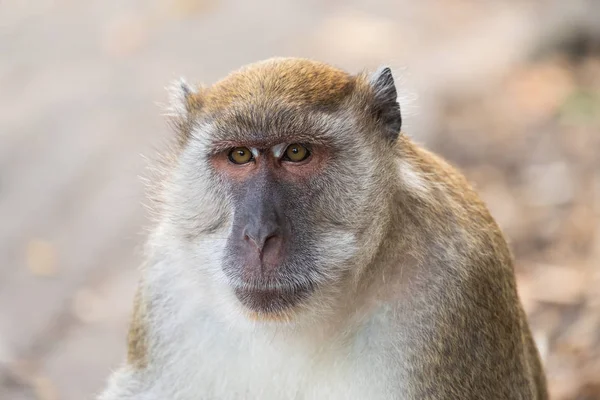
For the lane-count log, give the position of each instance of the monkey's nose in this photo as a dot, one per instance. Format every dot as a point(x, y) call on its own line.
point(262, 236)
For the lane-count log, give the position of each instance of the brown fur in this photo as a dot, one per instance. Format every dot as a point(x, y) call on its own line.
point(482, 314)
point(137, 338)
point(300, 82)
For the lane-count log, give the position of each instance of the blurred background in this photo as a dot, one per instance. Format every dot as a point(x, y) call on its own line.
point(507, 90)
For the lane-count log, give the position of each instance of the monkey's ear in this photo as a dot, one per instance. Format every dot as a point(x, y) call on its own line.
point(385, 104)
point(183, 98)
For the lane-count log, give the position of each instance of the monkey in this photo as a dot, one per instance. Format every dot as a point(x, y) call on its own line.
point(304, 247)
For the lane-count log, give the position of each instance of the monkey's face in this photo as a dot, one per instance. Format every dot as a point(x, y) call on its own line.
point(290, 201)
point(268, 257)
point(293, 226)
point(286, 173)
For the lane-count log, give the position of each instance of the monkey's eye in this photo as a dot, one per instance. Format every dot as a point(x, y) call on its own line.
point(240, 155)
point(296, 153)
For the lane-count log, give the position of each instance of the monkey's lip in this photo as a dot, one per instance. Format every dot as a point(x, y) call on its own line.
point(272, 301)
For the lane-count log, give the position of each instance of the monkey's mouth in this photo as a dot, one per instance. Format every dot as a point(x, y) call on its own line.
point(272, 301)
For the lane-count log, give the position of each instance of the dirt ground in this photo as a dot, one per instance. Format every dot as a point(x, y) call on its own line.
point(508, 91)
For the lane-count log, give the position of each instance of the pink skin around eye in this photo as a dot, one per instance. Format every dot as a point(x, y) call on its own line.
point(286, 171)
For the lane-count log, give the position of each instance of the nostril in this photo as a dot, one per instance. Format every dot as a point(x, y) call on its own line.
point(269, 239)
point(260, 241)
point(272, 251)
point(249, 238)
point(270, 242)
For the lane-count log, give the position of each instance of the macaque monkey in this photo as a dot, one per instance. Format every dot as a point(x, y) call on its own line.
point(305, 248)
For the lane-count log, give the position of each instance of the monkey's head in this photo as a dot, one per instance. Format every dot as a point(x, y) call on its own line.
point(278, 189)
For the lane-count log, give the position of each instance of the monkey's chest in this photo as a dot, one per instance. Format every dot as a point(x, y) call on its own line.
point(263, 370)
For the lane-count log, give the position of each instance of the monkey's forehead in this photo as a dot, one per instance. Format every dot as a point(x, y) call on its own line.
point(268, 124)
point(293, 81)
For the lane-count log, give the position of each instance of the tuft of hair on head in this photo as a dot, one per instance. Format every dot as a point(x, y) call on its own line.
point(385, 106)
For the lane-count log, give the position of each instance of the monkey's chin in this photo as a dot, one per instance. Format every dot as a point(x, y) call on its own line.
point(272, 304)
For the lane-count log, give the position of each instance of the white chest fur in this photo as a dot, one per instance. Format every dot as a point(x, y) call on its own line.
point(217, 363)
